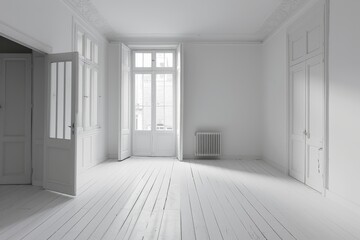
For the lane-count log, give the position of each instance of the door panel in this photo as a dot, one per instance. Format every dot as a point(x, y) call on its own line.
point(125, 140)
point(164, 132)
point(315, 122)
point(15, 119)
point(143, 95)
point(298, 121)
point(60, 135)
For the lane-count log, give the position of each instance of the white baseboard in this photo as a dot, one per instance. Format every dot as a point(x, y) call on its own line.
point(351, 206)
point(112, 156)
point(276, 165)
point(38, 183)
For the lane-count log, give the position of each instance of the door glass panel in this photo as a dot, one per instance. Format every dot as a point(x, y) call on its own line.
point(68, 82)
point(60, 100)
point(164, 102)
point(53, 94)
point(142, 101)
point(164, 60)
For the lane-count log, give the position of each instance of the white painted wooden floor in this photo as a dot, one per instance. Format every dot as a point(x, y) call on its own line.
point(165, 199)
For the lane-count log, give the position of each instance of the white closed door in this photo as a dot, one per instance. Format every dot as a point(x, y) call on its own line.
point(297, 121)
point(60, 134)
point(154, 130)
point(125, 111)
point(15, 119)
point(307, 122)
point(315, 123)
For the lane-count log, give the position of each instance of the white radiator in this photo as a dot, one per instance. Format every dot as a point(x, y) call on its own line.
point(207, 144)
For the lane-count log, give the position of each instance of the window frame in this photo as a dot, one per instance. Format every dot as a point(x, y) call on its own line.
point(153, 70)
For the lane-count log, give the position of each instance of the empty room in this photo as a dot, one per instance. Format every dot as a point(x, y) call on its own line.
point(179, 119)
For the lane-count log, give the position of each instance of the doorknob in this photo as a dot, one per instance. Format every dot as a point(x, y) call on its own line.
point(320, 149)
point(72, 126)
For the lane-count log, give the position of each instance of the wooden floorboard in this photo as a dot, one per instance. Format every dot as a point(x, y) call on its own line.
point(162, 198)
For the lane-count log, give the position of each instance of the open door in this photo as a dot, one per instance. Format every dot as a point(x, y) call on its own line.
point(179, 102)
point(125, 103)
point(60, 134)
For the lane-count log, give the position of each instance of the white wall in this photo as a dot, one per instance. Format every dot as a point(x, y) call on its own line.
point(344, 102)
point(114, 76)
point(344, 99)
point(274, 91)
point(221, 92)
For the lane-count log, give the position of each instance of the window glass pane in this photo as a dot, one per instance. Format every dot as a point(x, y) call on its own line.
point(143, 60)
point(68, 82)
point(142, 101)
point(164, 102)
point(138, 60)
point(60, 101)
point(88, 49)
point(169, 58)
point(80, 44)
point(94, 98)
point(53, 98)
point(164, 60)
point(96, 53)
point(147, 60)
point(86, 98)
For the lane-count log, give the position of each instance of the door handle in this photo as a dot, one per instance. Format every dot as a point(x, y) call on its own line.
point(72, 126)
point(320, 149)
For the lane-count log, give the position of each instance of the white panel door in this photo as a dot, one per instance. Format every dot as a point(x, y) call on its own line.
point(15, 119)
point(315, 123)
point(154, 117)
point(179, 102)
point(125, 111)
point(60, 135)
point(297, 121)
point(143, 114)
point(164, 115)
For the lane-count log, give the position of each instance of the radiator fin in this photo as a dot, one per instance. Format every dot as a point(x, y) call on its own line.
point(207, 144)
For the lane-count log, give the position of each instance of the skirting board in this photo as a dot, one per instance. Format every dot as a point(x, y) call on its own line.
point(351, 206)
point(276, 165)
point(37, 183)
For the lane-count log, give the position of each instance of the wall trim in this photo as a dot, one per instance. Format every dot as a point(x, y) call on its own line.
point(276, 165)
point(23, 38)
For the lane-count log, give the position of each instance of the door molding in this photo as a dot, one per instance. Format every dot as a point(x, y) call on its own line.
point(23, 38)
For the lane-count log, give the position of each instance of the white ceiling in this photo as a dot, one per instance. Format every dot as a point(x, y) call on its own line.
point(202, 20)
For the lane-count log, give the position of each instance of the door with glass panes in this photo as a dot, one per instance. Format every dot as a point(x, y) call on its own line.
point(154, 103)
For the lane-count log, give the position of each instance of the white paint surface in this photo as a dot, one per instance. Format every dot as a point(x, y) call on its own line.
point(344, 92)
point(221, 93)
point(344, 99)
point(233, 19)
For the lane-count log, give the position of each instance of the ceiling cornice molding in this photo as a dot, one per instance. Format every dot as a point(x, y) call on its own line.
point(286, 9)
point(86, 10)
